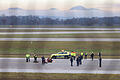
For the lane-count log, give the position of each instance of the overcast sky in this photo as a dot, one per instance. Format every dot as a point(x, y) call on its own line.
point(111, 5)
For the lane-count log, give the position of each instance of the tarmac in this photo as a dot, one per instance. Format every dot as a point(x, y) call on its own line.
point(51, 28)
point(109, 66)
point(61, 39)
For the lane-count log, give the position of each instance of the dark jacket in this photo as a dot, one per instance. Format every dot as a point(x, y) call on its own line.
point(92, 55)
point(99, 54)
point(80, 58)
point(71, 59)
point(43, 58)
point(77, 59)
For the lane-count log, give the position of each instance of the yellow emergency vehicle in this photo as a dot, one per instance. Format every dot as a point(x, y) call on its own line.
point(63, 55)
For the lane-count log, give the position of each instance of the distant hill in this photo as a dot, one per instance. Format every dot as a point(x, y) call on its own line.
point(15, 9)
point(53, 9)
point(74, 12)
point(78, 8)
point(82, 8)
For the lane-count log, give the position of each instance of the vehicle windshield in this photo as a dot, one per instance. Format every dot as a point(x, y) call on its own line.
point(62, 53)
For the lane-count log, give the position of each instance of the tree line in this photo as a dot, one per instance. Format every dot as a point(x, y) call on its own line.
point(36, 20)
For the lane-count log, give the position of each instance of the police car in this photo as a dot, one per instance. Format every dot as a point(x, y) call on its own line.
point(62, 55)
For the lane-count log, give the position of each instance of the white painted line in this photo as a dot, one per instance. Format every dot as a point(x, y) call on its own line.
point(61, 39)
point(60, 71)
point(70, 32)
point(62, 28)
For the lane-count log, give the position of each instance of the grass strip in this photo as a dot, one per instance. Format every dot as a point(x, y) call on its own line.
point(46, 76)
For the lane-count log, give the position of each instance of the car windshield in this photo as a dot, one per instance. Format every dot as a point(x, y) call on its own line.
point(62, 53)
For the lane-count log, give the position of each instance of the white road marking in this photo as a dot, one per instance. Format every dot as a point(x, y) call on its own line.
point(70, 32)
point(61, 39)
point(62, 28)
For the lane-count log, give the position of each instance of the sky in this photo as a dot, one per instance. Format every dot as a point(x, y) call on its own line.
point(108, 5)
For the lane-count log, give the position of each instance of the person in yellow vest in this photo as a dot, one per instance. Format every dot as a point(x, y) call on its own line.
point(82, 54)
point(86, 55)
point(35, 58)
point(27, 57)
point(73, 54)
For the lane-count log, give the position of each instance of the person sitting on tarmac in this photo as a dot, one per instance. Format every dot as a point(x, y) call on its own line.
point(49, 60)
point(43, 60)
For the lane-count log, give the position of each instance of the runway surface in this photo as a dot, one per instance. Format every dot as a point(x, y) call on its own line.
point(70, 32)
point(62, 28)
point(109, 66)
point(61, 39)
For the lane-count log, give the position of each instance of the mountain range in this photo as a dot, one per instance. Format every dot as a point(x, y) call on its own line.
point(74, 12)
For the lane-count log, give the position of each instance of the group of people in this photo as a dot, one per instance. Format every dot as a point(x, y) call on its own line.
point(78, 58)
point(28, 58)
point(49, 60)
point(84, 55)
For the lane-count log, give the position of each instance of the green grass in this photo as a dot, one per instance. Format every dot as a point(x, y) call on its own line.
point(46, 76)
point(47, 48)
point(101, 35)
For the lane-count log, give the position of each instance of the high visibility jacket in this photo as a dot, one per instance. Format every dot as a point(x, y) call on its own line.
point(85, 53)
point(82, 54)
point(27, 55)
point(73, 53)
point(35, 56)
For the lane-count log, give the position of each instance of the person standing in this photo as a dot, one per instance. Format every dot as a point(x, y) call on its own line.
point(77, 60)
point(73, 54)
point(100, 61)
point(27, 57)
point(82, 54)
point(43, 59)
point(71, 60)
point(92, 56)
point(35, 58)
point(86, 55)
point(99, 54)
point(80, 59)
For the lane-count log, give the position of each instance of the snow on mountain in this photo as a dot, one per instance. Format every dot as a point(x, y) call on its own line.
point(78, 8)
point(82, 8)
